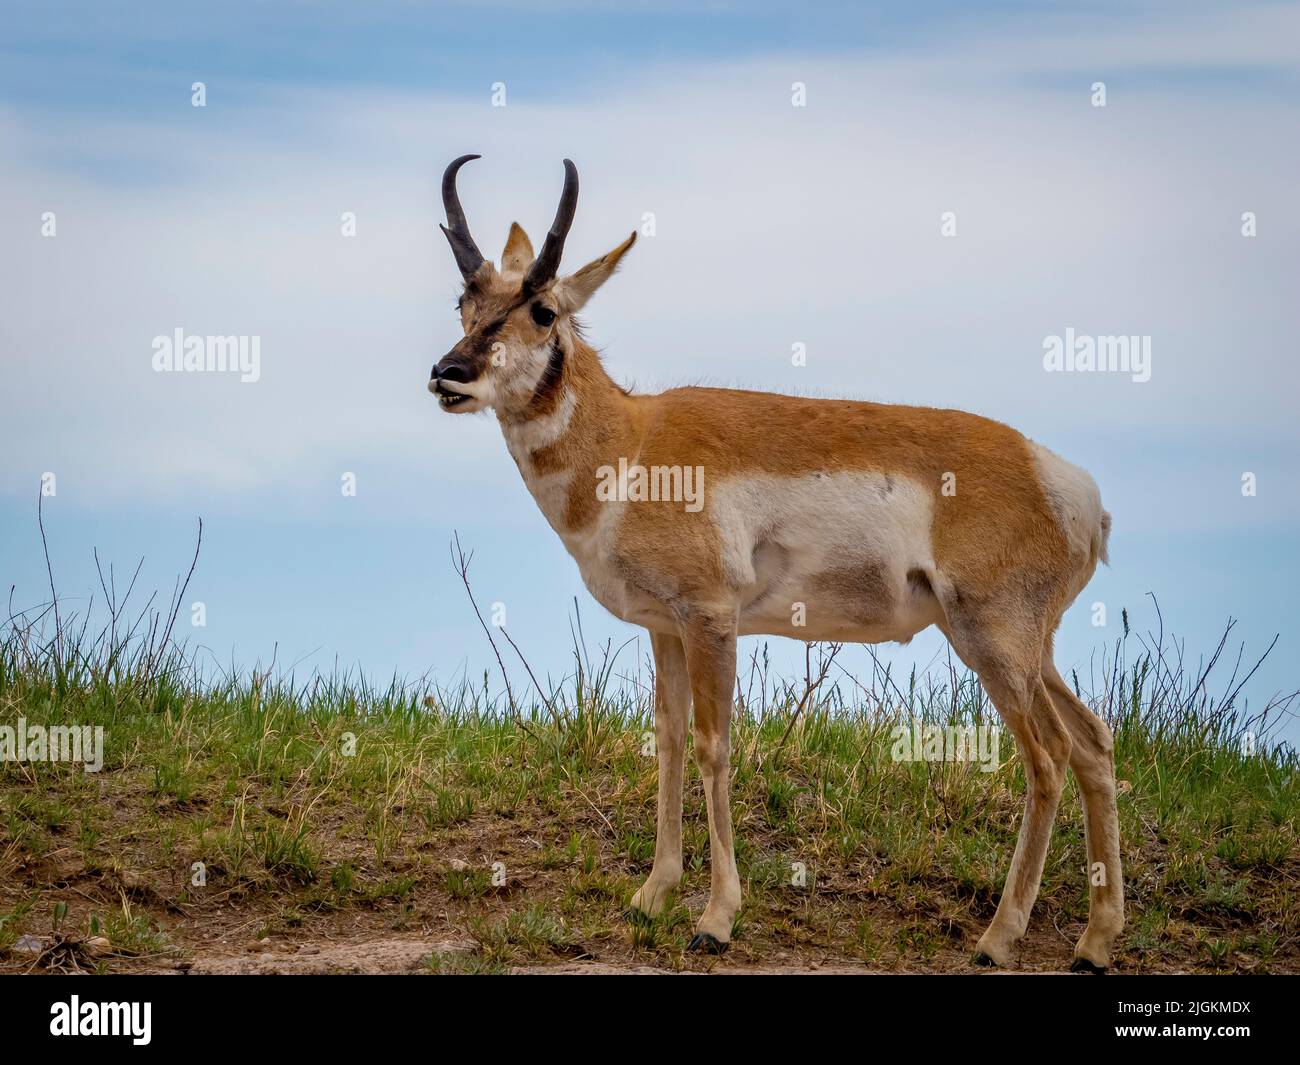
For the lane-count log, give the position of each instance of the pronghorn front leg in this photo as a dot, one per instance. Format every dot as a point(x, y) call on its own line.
point(710, 641)
point(672, 711)
point(1044, 746)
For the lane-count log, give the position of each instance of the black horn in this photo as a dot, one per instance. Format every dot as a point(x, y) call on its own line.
point(468, 257)
point(548, 259)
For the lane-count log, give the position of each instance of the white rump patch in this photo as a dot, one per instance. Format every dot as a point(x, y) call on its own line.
point(1075, 501)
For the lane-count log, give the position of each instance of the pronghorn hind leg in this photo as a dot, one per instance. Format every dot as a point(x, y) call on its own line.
point(672, 712)
point(1007, 659)
point(710, 643)
point(1092, 759)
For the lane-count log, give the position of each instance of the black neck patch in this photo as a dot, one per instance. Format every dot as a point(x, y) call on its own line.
point(549, 383)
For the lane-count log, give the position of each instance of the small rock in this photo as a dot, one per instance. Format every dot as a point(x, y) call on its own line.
point(458, 865)
point(98, 946)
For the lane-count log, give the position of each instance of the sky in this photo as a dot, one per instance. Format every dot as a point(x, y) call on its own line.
point(774, 226)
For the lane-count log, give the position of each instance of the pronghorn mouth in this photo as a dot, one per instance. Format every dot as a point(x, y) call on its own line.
point(447, 400)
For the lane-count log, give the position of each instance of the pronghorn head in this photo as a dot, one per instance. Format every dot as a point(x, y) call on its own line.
point(517, 319)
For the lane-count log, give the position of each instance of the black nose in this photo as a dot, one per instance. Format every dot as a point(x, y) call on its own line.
point(451, 371)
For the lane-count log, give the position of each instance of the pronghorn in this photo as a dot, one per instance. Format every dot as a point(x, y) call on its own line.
point(838, 506)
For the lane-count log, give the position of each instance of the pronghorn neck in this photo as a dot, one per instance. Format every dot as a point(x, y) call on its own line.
point(570, 429)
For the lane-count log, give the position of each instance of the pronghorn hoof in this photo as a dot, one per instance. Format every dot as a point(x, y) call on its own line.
point(703, 943)
point(1083, 965)
point(983, 959)
point(638, 917)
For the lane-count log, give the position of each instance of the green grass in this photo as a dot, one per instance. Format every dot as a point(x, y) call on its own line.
point(334, 807)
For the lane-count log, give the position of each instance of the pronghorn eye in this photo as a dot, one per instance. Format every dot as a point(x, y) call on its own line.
point(543, 316)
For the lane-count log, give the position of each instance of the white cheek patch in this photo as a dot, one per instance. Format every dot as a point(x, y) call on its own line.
point(516, 372)
point(539, 358)
point(481, 390)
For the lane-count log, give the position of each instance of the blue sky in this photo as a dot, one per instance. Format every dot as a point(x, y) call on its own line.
point(775, 225)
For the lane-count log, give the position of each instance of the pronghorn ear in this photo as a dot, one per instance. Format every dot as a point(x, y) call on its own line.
point(518, 255)
point(576, 289)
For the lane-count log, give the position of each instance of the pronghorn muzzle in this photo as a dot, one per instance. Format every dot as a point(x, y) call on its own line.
point(456, 369)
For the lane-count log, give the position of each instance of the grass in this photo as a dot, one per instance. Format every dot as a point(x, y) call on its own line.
point(230, 809)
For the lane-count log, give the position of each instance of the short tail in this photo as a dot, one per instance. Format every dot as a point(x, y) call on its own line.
point(1101, 539)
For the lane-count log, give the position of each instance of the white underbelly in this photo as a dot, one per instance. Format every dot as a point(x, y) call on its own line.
point(842, 556)
point(858, 615)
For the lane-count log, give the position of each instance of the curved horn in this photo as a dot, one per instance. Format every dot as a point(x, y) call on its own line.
point(468, 257)
point(548, 259)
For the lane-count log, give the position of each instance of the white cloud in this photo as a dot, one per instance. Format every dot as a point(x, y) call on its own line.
point(775, 224)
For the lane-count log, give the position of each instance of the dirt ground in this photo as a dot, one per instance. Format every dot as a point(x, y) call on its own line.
point(429, 906)
point(232, 936)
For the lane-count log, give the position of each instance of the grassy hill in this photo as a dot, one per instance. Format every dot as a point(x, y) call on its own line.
point(509, 830)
